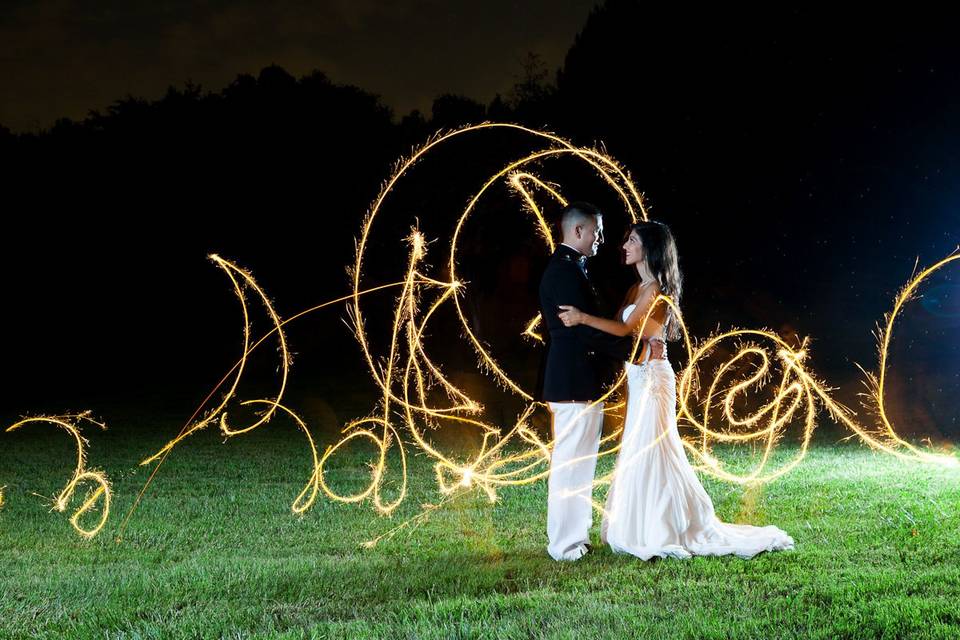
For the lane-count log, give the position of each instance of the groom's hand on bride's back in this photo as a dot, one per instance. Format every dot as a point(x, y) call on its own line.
point(657, 349)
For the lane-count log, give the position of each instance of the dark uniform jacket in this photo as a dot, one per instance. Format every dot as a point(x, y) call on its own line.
point(580, 360)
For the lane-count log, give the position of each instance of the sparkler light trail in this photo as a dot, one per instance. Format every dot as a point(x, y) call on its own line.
point(798, 397)
point(100, 494)
point(514, 455)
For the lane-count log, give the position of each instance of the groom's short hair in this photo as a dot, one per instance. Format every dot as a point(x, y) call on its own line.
point(575, 213)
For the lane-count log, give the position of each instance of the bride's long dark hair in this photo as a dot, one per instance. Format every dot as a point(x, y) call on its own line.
point(660, 252)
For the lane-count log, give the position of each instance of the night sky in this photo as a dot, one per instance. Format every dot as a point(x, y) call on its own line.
point(804, 160)
point(65, 58)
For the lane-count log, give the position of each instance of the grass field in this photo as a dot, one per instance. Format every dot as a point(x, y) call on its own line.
point(214, 551)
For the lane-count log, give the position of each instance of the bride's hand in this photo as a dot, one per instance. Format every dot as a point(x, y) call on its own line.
point(570, 316)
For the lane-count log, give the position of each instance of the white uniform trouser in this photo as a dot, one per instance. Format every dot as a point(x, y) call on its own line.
point(576, 440)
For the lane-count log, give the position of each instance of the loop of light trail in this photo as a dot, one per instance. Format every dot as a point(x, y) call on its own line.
point(100, 495)
point(517, 455)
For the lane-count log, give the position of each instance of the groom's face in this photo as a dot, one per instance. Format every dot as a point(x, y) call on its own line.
point(591, 235)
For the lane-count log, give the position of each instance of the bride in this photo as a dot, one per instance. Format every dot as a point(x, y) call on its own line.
point(656, 505)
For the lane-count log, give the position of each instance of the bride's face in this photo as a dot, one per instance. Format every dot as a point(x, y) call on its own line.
point(632, 249)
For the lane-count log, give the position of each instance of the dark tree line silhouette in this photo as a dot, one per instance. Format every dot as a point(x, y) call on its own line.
point(804, 159)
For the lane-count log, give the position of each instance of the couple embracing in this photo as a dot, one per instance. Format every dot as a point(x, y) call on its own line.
point(656, 505)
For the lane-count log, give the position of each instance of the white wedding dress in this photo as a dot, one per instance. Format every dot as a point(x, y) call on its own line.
point(656, 505)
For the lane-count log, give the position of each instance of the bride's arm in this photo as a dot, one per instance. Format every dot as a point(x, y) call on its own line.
point(571, 316)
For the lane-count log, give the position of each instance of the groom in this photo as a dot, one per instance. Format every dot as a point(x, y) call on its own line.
point(576, 362)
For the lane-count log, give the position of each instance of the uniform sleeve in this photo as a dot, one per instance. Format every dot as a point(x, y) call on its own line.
point(571, 291)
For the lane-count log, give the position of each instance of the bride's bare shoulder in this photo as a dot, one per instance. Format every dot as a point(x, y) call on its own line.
point(645, 291)
point(646, 294)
